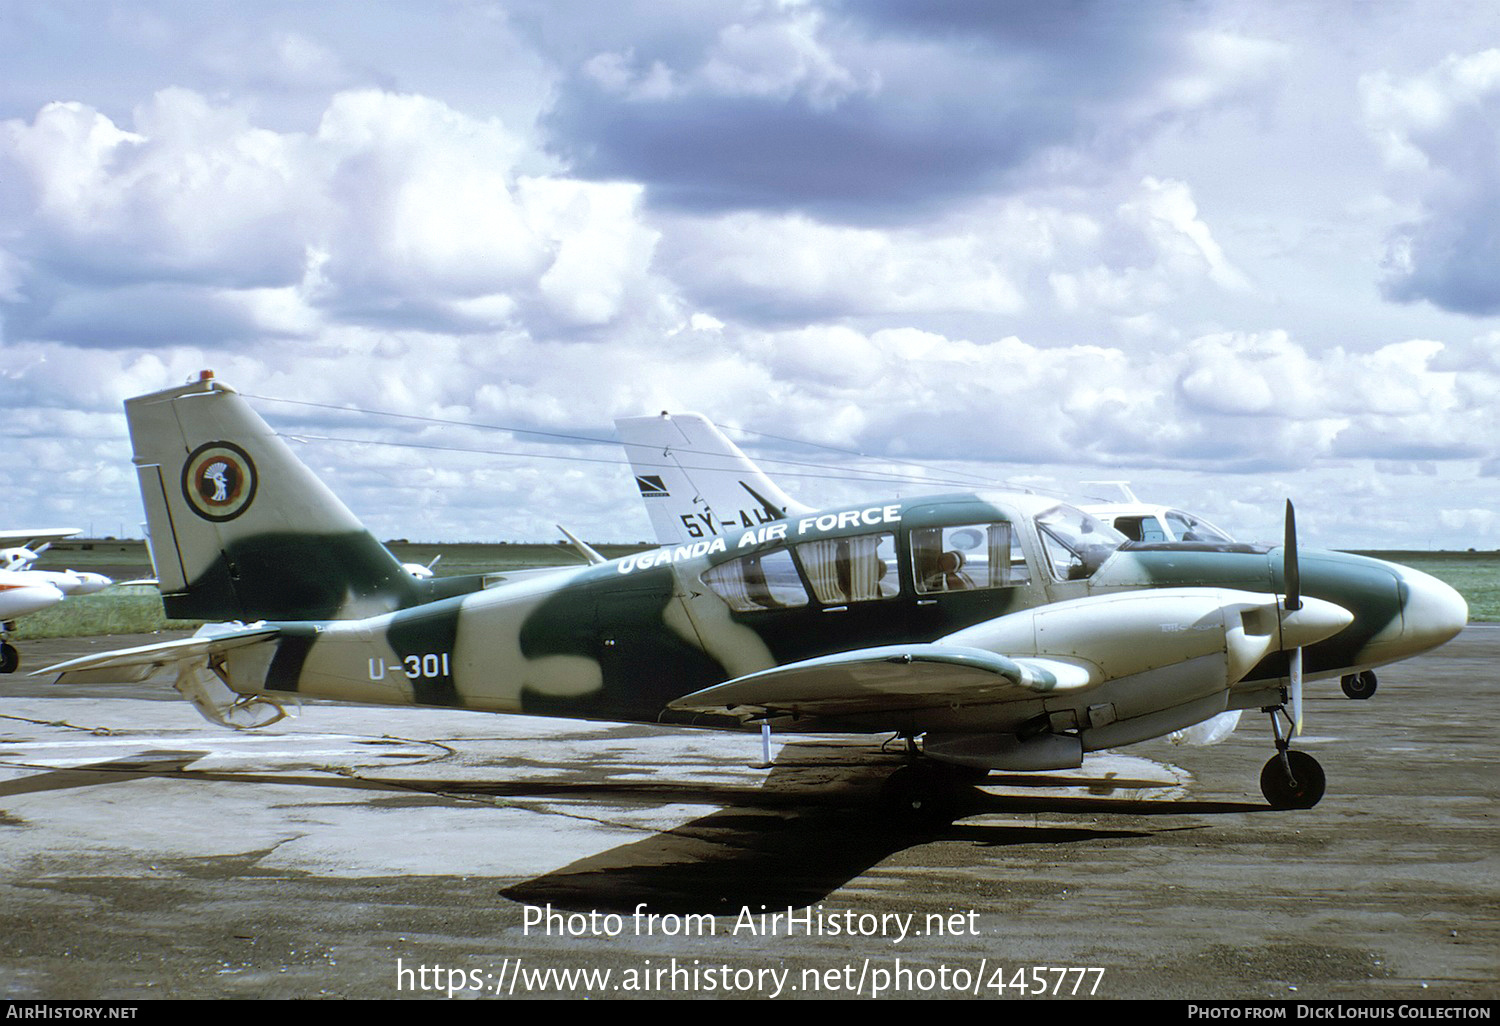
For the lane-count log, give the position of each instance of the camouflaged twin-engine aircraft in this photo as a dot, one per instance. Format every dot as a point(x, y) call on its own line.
point(1004, 631)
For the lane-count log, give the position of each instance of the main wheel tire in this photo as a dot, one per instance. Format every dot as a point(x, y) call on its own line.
point(10, 659)
point(1359, 685)
point(1302, 790)
point(919, 797)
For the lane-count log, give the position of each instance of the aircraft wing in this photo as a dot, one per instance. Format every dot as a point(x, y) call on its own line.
point(132, 665)
point(886, 678)
point(42, 534)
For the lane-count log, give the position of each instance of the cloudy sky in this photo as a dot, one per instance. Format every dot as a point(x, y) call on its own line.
point(1231, 252)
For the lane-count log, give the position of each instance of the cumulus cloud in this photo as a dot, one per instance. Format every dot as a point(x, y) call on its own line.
point(1437, 132)
point(1237, 402)
point(773, 59)
point(1061, 240)
point(790, 267)
point(197, 220)
point(859, 112)
point(997, 258)
point(117, 205)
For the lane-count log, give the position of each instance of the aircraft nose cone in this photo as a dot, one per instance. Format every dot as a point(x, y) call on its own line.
point(1431, 612)
point(91, 582)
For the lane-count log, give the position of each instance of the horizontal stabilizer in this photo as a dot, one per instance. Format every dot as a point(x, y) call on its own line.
point(887, 678)
point(587, 551)
point(132, 665)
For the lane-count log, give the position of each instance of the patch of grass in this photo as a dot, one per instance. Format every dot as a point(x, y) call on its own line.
point(1474, 575)
point(123, 609)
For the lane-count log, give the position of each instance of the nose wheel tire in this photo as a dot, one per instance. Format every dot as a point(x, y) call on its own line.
point(1359, 685)
point(1302, 788)
point(10, 659)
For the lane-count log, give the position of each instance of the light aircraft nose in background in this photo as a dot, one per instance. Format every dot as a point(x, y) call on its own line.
point(992, 631)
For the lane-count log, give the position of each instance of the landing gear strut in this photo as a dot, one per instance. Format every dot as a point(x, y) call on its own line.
point(1291, 780)
point(1359, 685)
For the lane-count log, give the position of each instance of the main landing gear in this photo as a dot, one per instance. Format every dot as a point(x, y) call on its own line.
point(1291, 780)
point(924, 794)
point(10, 659)
point(1359, 685)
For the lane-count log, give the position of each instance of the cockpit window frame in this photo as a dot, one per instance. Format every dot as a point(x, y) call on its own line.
point(1082, 562)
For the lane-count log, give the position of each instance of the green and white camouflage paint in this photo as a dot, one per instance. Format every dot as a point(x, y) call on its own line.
point(1011, 630)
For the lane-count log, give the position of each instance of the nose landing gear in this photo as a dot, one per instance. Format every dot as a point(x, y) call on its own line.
point(1359, 685)
point(1290, 780)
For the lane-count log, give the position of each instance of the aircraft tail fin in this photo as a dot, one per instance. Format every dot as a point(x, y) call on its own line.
point(240, 528)
point(696, 482)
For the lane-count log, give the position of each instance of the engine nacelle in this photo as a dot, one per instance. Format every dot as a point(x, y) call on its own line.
point(1132, 634)
point(1006, 751)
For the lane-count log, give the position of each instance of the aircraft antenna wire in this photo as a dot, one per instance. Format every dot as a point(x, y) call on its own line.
point(825, 472)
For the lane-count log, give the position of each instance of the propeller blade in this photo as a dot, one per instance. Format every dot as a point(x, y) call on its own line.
point(1292, 579)
point(1296, 678)
point(1291, 576)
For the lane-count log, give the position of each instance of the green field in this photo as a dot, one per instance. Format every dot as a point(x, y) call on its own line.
point(137, 609)
point(1476, 576)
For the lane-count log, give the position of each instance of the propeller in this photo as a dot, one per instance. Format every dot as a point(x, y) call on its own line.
point(1290, 603)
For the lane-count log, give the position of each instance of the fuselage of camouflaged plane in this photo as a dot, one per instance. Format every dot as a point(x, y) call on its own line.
point(1005, 631)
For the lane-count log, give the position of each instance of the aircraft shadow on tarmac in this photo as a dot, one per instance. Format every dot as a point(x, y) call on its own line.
point(814, 825)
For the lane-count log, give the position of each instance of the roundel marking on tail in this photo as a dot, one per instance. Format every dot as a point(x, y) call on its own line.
point(218, 481)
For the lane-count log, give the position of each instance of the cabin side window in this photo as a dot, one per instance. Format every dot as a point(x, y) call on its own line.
point(858, 569)
point(967, 557)
point(761, 580)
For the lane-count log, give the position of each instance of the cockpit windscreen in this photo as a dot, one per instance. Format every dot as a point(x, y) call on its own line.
point(1076, 543)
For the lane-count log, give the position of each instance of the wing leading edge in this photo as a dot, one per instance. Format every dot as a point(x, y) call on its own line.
point(888, 677)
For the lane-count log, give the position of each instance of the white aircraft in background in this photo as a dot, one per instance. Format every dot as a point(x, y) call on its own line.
point(1147, 522)
point(24, 590)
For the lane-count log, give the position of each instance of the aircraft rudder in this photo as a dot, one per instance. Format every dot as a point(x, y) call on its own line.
point(695, 481)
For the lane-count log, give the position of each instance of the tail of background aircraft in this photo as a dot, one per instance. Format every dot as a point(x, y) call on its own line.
point(695, 481)
point(242, 530)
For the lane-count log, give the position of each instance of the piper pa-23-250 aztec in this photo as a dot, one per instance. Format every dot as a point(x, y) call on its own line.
point(1063, 638)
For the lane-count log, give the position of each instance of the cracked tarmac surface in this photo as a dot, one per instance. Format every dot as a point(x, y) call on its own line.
point(369, 853)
